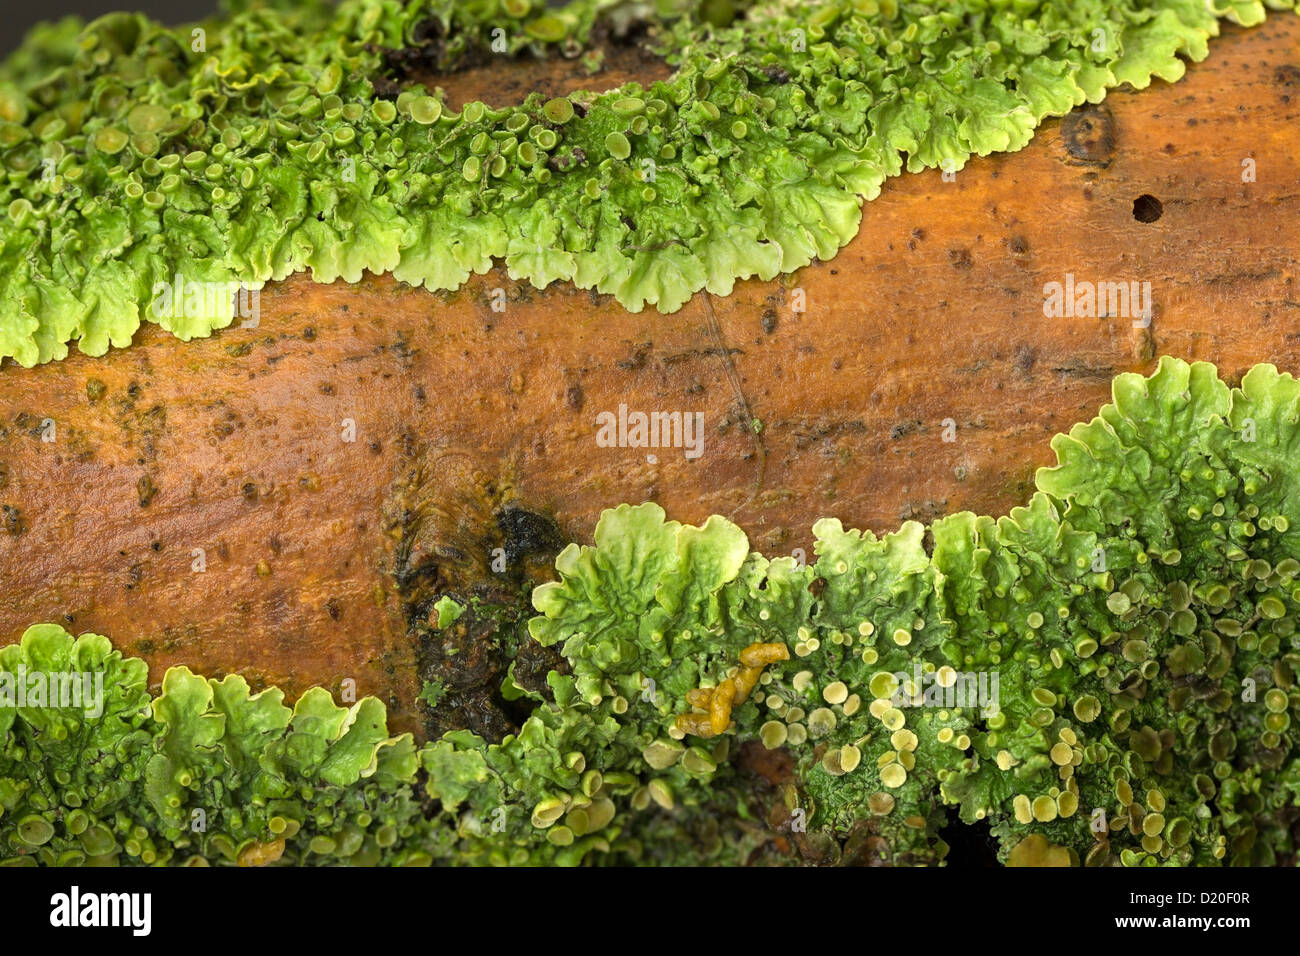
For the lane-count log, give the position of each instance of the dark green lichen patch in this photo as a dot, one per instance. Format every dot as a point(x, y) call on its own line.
point(140, 160)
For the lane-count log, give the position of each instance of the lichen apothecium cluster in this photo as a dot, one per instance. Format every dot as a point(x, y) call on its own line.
point(1139, 613)
point(284, 137)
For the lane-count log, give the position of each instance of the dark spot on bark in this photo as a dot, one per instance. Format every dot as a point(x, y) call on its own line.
point(1081, 369)
point(145, 490)
point(1088, 133)
point(224, 427)
point(960, 259)
point(924, 512)
point(769, 320)
point(573, 396)
point(1025, 358)
point(637, 361)
point(95, 390)
point(249, 491)
point(527, 532)
point(408, 442)
point(12, 519)
point(332, 608)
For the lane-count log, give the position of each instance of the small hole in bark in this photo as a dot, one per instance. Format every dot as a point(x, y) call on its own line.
point(1147, 208)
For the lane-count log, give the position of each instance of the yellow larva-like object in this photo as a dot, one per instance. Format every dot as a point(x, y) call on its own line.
point(717, 702)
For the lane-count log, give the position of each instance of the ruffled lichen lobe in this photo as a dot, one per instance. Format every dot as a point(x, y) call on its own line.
point(1106, 676)
point(266, 142)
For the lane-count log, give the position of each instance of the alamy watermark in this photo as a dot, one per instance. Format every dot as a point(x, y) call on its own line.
point(1083, 299)
point(81, 690)
point(634, 429)
point(947, 687)
point(192, 299)
point(77, 909)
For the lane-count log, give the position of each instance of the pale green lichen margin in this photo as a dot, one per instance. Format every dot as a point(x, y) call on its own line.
point(1140, 613)
point(131, 156)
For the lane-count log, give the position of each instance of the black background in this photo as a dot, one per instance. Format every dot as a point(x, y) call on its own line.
point(343, 910)
point(18, 16)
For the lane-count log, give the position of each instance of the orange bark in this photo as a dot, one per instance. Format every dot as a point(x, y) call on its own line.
point(935, 311)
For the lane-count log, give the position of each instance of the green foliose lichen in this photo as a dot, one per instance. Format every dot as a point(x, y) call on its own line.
point(204, 773)
point(150, 171)
point(1111, 667)
point(1105, 676)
